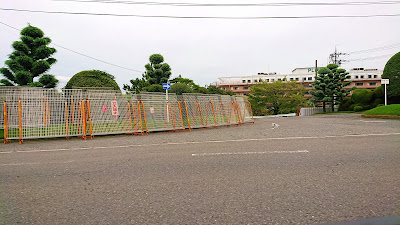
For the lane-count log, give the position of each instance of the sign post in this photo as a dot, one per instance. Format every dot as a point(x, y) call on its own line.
point(385, 82)
point(167, 86)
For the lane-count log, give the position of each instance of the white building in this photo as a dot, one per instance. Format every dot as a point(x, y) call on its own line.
point(360, 77)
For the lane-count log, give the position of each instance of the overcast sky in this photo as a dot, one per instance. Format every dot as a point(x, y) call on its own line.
point(203, 49)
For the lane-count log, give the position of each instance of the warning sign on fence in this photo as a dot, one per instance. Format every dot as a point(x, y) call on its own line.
point(114, 106)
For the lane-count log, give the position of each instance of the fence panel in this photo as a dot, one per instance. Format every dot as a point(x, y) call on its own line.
point(46, 113)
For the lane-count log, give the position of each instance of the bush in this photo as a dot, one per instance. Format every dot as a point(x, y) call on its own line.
point(392, 72)
point(377, 102)
point(154, 88)
point(346, 104)
point(180, 88)
point(358, 108)
point(92, 78)
point(362, 96)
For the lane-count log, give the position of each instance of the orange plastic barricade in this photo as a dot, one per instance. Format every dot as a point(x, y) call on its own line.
point(20, 120)
point(72, 109)
point(232, 108)
point(212, 107)
point(83, 116)
point(90, 119)
point(223, 113)
point(250, 111)
point(181, 127)
point(197, 108)
point(129, 117)
point(187, 114)
point(144, 116)
point(5, 124)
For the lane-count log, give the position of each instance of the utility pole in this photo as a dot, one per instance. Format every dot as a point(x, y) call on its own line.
point(335, 57)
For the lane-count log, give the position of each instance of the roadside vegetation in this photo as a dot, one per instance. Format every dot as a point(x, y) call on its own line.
point(388, 110)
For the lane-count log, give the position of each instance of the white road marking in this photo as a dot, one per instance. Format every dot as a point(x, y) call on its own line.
point(373, 121)
point(198, 142)
point(249, 153)
point(20, 164)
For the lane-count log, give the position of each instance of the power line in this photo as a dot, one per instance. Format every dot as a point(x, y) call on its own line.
point(198, 17)
point(238, 4)
point(112, 64)
point(371, 58)
point(387, 47)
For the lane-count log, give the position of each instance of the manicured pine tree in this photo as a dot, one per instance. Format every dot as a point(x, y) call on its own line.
point(329, 86)
point(31, 58)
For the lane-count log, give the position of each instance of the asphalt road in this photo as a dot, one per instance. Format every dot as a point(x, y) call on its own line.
point(320, 169)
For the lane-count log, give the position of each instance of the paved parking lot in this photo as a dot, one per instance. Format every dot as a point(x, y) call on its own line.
point(307, 170)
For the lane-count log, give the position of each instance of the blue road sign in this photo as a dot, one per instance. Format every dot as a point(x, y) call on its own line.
point(166, 86)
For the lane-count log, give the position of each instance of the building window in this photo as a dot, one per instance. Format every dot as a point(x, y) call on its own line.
point(369, 76)
point(243, 81)
point(375, 76)
point(248, 81)
point(359, 84)
point(297, 78)
point(272, 80)
point(245, 88)
point(291, 78)
point(304, 78)
point(372, 84)
point(267, 80)
point(279, 79)
point(356, 77)
point(261, 80)
point(362, 76)
point(309, 78)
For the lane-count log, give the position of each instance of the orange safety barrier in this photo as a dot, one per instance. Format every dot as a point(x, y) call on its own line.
point(90, 119)
point(79, 117)
point(182, 128)
point(250, 111)
point(136, 115)
point(20, 120)
point(198, 107)
point(144, 115)
point(223, 112)
point(66, 120)
point(83, 116)
point(231, 108)
point(187, 114)
point(212, 107)
point(5, 124)
point(167, 115)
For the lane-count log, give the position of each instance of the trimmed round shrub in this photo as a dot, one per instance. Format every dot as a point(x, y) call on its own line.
point(92, 78)
point(358, 108)
point(392, 72)
point(361, 96)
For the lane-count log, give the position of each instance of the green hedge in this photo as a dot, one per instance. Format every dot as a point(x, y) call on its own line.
point(92, 78)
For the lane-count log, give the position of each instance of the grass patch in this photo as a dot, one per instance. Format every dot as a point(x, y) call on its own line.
point(387, 110)
point(335, 112)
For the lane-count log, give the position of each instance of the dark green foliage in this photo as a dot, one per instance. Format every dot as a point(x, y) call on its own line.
point(30, 59)
point(392, 72)
point(362, 96)
point(202, 90)
point(358, 108)
point(345, 105)
point(154, 88)
point(276, 98)
point(212, 89)
point(180, 88)
point(157, 72)
point(92, 78)
point(329, 86)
